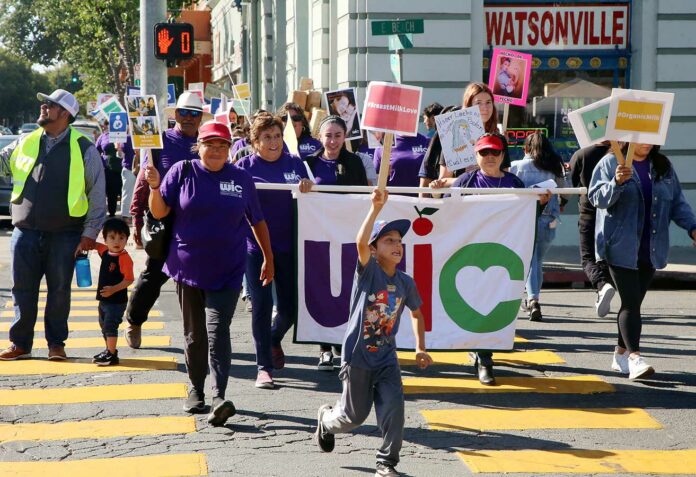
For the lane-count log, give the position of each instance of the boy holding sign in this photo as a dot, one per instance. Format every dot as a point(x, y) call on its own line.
point(370, 369)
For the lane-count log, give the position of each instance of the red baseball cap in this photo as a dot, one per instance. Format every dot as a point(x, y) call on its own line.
point(214, 130)
point(488, 141)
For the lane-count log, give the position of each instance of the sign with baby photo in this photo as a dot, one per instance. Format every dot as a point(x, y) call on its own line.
point(143, 118)
point(509, 77)
point(458, 131)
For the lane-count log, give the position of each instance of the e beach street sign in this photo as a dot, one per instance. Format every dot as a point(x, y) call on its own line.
point(397, 27)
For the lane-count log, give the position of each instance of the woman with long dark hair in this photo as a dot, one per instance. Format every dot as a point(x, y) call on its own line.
point(635, 206)
point(540, 163)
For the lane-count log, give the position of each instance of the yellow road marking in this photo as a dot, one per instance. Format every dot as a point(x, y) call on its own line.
point(559, 385)
point(77, 294)
point(97, 429)
point(173, 465)
point(82, 365)
point(92, 313)
point(73, 303)
point(84, 394)
point(513, 419)
point(462, 357)
point(88, 326)
point(582, 461)
point(519, 339)
point(77, 343)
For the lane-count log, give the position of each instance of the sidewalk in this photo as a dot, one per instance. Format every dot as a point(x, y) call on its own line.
point(562, 266)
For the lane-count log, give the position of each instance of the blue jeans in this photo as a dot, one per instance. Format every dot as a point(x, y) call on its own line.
point(265, 334)
point(544, 237)
point(35, 255)
point(110, 317)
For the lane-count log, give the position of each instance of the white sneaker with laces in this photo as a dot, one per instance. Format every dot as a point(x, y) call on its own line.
point(326, 361)
point(604, 297)
point(620, 361)
point(638, 368)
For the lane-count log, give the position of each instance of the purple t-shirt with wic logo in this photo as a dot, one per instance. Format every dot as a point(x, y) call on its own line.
point(325, 171)
point(276, 204)
point(307, 146)
point(406, 158)
point(212, 212)
point(176, 147)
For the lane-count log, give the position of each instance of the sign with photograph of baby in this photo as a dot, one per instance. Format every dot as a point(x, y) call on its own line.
point(509, 77)
point(458, 133)
point(143, 117)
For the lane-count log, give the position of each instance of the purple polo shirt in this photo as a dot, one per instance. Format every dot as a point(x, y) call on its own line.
point(212, 211)
point(307, 146)
point(276, 204)
point(175, 147)
point(482, 181)
point(325, 171)
point(406, 158)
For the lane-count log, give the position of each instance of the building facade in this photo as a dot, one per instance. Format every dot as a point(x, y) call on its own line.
point(581, 49)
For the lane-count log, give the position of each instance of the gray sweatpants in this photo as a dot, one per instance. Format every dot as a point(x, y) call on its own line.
point(362, 387)
point(207, 318)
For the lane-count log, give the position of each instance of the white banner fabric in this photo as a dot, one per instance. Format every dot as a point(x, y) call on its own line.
point(469, 256)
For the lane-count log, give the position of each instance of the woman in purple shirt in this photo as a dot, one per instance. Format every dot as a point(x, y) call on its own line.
point(306, 144)
point(212, 202)
point(271, 164)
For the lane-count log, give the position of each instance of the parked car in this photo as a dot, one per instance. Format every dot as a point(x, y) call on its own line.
point(27, 127)
point(5, 131)
point(88, 128)
point(5, 182)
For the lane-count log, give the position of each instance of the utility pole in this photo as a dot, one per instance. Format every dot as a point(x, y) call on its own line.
point(153, 71)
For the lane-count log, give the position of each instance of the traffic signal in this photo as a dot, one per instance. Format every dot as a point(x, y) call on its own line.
point(173, 41)
point(74, 78)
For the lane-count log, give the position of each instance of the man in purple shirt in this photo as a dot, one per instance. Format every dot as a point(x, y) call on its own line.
point(177, 144)
point(406, 158)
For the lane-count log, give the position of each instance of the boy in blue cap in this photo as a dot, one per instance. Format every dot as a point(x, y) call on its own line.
point(369, 368)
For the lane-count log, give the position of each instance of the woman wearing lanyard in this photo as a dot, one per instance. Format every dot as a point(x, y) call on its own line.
point(270, 164)
point(212, 202)
point(489, 157)
point(334, 165)
point(635, 206)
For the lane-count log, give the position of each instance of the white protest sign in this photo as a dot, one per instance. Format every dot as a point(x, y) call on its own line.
point(639, 116)
point(118, 127)
point(590, 122)
point(458, 131)
point(143, 116)
point(392, 108)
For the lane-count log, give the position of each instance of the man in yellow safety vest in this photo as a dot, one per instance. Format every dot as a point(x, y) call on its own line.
point(58, 207)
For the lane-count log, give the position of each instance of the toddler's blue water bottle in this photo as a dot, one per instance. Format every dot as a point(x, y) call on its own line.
point(83, 275)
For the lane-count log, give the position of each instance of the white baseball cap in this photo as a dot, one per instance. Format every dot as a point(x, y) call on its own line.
point(64, 98)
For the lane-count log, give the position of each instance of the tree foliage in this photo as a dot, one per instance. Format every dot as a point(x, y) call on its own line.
point(18, 89)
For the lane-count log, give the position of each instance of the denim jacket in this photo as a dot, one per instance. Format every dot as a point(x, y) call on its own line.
point(530, 175)
point(620, 212)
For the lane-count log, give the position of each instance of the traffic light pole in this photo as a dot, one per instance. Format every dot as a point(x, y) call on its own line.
point(153, 71)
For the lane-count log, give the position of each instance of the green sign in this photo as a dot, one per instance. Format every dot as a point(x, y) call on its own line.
point(397, 27)
point(400, 42)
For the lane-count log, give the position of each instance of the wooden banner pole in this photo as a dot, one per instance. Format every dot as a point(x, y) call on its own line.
point(616, 149)
point(506, 113)
point(629, 153)
point(384, 164)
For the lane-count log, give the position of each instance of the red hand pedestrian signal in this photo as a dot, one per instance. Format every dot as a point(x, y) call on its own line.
point(174, 41)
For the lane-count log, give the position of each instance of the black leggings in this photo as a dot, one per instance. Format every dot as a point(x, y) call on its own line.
point(632, 286)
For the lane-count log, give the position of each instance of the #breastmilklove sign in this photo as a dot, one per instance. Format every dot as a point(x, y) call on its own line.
point(639, 116)
point(392, 108)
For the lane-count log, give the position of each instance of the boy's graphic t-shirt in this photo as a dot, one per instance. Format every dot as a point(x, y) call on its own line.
point(375, 309)
point(113, 270)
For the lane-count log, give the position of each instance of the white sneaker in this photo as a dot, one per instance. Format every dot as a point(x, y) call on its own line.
point(639, 368)
point(326, 361)
point(620, 361)
point(604, 297)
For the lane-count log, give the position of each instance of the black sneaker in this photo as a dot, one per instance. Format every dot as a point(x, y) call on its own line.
point(534, 311)
point(324, 440)
point(326, 361)
point(385, 470)
point(195, 403)
point(106, 358)
point(221, 411)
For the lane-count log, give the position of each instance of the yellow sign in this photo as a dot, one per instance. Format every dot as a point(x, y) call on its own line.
point(639, 116)
point(242, 91)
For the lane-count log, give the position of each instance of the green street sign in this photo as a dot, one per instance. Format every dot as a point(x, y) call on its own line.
point(396, 27)
point(400, 42)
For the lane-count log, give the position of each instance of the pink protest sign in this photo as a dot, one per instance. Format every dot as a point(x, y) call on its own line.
point(509, 78)
point(392, 108)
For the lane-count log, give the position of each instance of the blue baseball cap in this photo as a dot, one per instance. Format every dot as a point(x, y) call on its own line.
point(382, 227)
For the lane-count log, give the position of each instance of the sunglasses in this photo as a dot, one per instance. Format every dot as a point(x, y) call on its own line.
point(490, 152)
point(297, 118)
point(49, 104)
point(189, 112)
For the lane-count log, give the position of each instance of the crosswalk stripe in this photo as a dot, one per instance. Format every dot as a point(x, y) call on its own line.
point(73, 313)
point(77, 294)
point(84, 394)
point(93, 288)
point(83, 365)
point(545, 385)
point(73, 304)
point(515, 419)
point(98, 429)
point(171, 465)
point(88, 326)
point(462, 357)
point(78, 343)
point(581, 461)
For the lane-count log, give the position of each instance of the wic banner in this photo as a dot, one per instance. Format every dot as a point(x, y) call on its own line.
point(469, 256)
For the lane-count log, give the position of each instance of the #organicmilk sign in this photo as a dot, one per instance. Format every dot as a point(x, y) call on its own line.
point(392, 108)
point(639, 116)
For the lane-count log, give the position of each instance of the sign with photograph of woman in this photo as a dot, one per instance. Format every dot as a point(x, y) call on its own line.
point(344, 103)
